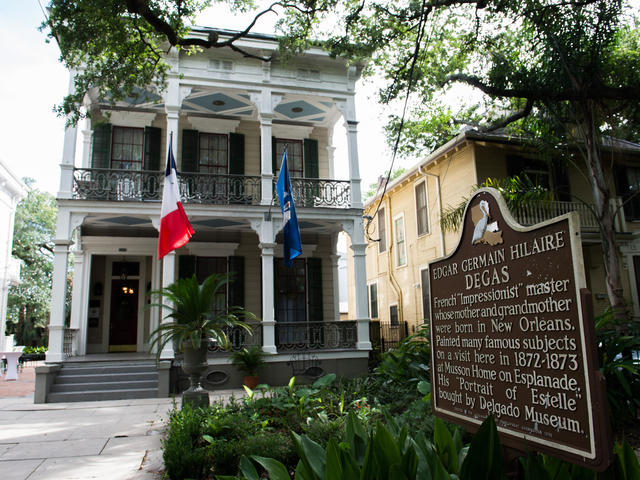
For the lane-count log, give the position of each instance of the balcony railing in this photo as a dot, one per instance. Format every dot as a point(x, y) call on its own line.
point(144, 186)
point(239, 338)
point(529, 215)
point(318, 192)
point(297, 336)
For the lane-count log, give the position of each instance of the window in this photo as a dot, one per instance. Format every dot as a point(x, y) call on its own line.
point(426, 298)
point(421, 208)
point(382, 232)
point(393, 315)
point(536, 170)
point(127, 148)
point(295, 161)
point(213, 153)
point(628, 187)
point(373, 300)
point(291, 291)
point(401, 247)
point(206, 266)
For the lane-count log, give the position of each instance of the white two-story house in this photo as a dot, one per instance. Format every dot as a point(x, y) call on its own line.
point(229, 118)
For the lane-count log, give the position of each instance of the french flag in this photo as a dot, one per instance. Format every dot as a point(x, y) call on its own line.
point(175, 229)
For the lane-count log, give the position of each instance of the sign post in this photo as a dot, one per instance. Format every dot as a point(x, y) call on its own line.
point(512, 335)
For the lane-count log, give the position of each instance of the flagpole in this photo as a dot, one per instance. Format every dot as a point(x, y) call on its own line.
point(267, 215)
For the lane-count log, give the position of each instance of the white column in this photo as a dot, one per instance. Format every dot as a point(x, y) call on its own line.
point(359, 247)
point(266, 170)
point(156, 284)
point(168, 277)
point(68, 154)
point(78, 293)
point(268, 317)
point(331, 150)
point(87, 135)
point(354, 166)
point(55, 354)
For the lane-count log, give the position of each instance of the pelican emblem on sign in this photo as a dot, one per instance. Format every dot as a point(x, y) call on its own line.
point(484, 231)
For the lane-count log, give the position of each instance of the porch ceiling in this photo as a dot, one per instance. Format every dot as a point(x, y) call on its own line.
point(104, 224)
point(293, 108)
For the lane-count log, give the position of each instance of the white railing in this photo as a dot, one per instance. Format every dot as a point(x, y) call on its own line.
point(530, 215)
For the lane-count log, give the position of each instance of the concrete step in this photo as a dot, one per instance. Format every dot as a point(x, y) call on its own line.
point(87, 387)
point(64, 377)
point(98, 395)
point(103, 369)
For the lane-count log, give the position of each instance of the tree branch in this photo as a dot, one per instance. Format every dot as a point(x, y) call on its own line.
point(503, 122)
point(596, 91)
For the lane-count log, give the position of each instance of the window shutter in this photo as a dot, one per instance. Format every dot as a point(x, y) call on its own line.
point(561, 182)
point(189, 151)
point(101, 152)
point(186, 266)
point(236, 154)
point(314, 296)
point(236, 288)
point(274, 159)
point(152, 140)
point(311, 169)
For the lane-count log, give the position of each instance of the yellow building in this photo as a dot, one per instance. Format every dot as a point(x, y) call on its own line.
point(404, 232)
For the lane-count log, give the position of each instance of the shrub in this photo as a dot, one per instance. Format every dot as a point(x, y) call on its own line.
point(186, 454)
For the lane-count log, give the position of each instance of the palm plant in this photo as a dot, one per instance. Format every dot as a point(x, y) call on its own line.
point(193, 316)
point(194, 323)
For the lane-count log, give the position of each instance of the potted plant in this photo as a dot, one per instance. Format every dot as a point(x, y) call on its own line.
point(194, 323)
point(249, 361)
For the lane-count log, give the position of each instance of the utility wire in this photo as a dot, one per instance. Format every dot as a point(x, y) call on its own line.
point(414, 60)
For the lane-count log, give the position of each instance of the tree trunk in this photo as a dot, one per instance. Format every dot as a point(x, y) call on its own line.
point(602, 197)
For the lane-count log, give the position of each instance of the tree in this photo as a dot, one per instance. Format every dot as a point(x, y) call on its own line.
point(564, 69)
point(29, 302)
point(116, 47)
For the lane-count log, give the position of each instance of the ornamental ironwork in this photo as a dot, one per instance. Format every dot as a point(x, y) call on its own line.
point(217, 189)
point(239, 338)
point(143, 185)
point(293, 336)
point(318, 192)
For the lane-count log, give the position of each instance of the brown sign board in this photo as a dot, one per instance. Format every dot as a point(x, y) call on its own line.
point(512, 335)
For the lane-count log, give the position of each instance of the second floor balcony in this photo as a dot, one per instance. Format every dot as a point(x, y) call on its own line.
point(120, 185)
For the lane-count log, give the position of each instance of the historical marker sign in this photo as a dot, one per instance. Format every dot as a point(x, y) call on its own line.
point(509, 335)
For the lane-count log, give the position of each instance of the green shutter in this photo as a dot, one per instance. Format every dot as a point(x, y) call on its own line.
point(311, 191)
point(101, 152)
point(314, 296)
point(311, 169)
point(152, 140)
point(236, 288)
point(189, 151)
point(186, 266)
point(274, 159)
point(236, 154)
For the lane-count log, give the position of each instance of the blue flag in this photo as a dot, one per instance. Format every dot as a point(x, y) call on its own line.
point(292, 245)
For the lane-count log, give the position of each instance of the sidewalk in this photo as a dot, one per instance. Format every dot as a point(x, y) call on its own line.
point(114, 440)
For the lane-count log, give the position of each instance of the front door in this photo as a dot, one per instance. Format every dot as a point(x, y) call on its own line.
point(123, 325)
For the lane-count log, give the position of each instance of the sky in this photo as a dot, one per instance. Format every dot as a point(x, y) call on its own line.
point(33, 81)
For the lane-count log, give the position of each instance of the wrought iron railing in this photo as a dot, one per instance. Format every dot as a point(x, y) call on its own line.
point(317, 192)
point(296, 336)
point(385, 336)
point(218, 189)
point(69, 338)
point(142, 185)
point(239, 338)
point(530, 215)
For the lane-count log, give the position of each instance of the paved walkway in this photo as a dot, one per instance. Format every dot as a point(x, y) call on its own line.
point(111, 440)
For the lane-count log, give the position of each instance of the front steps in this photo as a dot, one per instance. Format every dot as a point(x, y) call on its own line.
point(110, 380)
